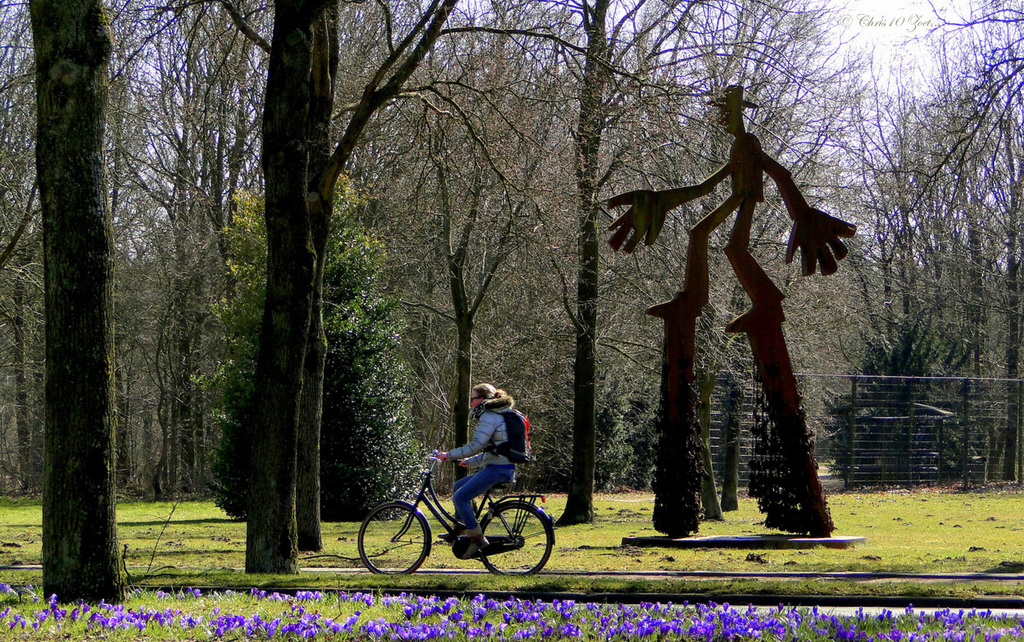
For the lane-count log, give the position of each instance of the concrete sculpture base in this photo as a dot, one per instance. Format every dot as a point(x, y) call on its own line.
point(746, 541)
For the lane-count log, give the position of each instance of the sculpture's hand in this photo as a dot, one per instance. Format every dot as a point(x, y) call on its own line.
point(818, 236)
point(643, 219)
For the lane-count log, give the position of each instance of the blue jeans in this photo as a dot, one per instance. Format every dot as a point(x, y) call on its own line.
point(475, 485)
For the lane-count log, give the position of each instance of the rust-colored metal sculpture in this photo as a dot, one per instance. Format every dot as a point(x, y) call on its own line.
point(784, 474)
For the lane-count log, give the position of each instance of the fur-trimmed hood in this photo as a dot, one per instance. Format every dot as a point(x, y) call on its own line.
point(495, 404)
point(498, 404)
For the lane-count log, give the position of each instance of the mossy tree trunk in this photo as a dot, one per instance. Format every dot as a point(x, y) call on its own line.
point(80, 552)
point(272, 534)
point(464, 315)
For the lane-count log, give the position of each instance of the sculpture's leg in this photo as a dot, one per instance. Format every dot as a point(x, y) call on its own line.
point(679, 472)
point(790, 496)
point(695, 284)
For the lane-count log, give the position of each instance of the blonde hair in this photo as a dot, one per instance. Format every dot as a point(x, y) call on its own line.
point(487, 391)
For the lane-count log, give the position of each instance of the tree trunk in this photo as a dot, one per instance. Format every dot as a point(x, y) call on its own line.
point(298, 200)
point(709, 492)
point(976, 305)
point(187, 406)
point(731, 474)
point(307, 498)
point(1013, 331)
point(976, 319)
point(325, 61)
point(579, 506)
point(80, 552)
point(173, 444)
point(23, 426)
point(456, 254)
point(125, 473)
point(464, 374)
point(1012, 358)
point(271, 533)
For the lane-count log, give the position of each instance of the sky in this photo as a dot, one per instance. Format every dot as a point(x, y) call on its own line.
point(895, 31)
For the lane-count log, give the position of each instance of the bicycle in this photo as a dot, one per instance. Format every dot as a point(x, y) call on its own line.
point(395, 538)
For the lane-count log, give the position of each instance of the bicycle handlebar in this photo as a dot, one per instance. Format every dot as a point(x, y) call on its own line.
point(433, 459)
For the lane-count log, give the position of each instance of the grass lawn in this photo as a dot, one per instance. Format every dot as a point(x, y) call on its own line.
point(920, 531)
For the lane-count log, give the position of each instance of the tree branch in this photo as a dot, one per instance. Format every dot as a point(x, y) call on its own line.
point(245, 27)
point(374, 95)
point(518, 32)
point(425, 306)
point(21, 229)
point(566, 302)
point(348, 108)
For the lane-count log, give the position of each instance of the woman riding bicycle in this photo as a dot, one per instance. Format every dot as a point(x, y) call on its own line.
point(488, 466)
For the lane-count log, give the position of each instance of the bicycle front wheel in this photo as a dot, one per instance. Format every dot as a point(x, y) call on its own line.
point(393, 539)
point(521, 539)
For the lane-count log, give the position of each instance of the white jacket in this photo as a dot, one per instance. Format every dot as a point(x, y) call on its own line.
point(490, 431)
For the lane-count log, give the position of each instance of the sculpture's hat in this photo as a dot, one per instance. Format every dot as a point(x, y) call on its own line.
point(732, 99)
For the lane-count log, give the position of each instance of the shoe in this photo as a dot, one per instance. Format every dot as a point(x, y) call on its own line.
point(452, 536)
point(477, 541)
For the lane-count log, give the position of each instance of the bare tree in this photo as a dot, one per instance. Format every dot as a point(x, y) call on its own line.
point(299, 201)
point(987, 96)
point(21, 292)
point(181, 117)
point(942, 179)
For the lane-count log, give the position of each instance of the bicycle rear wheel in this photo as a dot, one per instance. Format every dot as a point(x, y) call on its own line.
point(521, 539)
point(393, 539)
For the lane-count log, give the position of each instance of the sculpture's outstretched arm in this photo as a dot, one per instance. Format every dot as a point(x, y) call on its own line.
point(816, 233)
point(646, 214)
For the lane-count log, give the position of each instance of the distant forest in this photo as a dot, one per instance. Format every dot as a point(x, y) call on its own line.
point(470, 220)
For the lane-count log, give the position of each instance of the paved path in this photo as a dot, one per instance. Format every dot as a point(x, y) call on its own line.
point(856, 576)
point(850, 576)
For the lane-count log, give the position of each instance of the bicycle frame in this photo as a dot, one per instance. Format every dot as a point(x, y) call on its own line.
point(520, 535)
point(427, 496)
